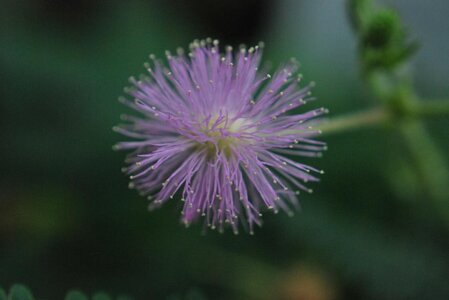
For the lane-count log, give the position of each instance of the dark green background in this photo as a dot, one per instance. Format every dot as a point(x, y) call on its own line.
point(68, 220)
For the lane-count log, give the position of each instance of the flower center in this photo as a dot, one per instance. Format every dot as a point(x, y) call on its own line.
point(225, 133)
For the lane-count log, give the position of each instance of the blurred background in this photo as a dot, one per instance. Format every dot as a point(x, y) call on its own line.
point(68, 220)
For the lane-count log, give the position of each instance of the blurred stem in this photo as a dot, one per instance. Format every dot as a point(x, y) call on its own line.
point(378, 116)
point(389, 81)
point(360, 120)
point(397, 95)
point(431, 108)
point(429, 163)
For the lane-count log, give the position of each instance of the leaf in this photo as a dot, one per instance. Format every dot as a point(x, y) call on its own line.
point(20, 292)
point(75, 295)
point(195, 294)
point(2, 294)
point(122, 297)
point(101, 296)
point(357, 10)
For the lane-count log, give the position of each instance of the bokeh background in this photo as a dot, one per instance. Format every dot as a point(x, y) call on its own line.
point(68, 220)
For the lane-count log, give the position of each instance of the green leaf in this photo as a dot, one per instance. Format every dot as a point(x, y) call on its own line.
point(101, 296)
point(124, 297)
point(75, 295)
point(384, 41)
point(382, 29)
point(20, 292)
point(195, 294)
point(357, 11)
point(2, 294)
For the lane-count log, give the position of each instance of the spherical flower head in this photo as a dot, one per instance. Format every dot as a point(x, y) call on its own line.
point(220, 134)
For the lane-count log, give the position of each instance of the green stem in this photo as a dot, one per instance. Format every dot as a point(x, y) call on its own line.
point(377, 116)
point(390, 83)
point(429, 163)
point(431, 108)
point(372, 117)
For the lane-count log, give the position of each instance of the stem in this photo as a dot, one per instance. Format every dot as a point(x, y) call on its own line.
point(391, 85)
point(377, 116)
point(431, 108)
point(430, 164)
point(354, 121)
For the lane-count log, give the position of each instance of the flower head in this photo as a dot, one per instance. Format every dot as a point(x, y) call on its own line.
point(221, 134)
